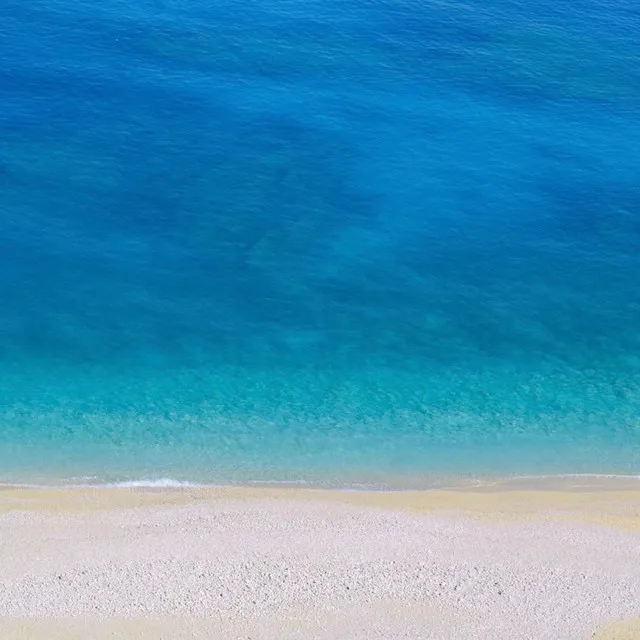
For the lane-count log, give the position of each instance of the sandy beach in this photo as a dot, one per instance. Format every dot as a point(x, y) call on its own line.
point(495, 562)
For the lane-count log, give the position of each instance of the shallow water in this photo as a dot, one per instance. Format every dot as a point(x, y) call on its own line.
point(336, 240)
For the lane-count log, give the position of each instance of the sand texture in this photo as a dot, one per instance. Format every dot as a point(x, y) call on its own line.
point(278, 564)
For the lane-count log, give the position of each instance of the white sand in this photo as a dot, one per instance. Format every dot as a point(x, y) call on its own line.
point(277, 564)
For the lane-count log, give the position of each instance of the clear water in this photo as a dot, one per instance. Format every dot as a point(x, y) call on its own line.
point(332, 241)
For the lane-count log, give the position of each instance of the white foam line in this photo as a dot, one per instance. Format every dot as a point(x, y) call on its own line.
point(161, 483)
point(294, 482)
point(623, 476)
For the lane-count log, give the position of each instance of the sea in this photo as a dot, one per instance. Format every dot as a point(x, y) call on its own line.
point(340, 242)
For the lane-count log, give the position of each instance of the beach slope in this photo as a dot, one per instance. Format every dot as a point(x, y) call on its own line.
point(274, 564)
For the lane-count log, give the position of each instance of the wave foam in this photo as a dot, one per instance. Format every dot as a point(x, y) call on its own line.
point(160, 483)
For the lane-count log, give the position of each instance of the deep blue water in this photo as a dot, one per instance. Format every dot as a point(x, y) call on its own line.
point(333, 240)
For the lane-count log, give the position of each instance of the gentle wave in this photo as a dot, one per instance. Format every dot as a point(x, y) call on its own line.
point(161, 483)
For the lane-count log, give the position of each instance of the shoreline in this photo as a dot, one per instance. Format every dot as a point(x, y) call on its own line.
point(611, 502)
point(452, 482)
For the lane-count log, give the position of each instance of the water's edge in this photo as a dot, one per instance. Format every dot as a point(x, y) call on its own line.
point(558, 482)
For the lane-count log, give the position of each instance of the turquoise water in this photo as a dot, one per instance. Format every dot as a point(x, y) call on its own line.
point(325, 242)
